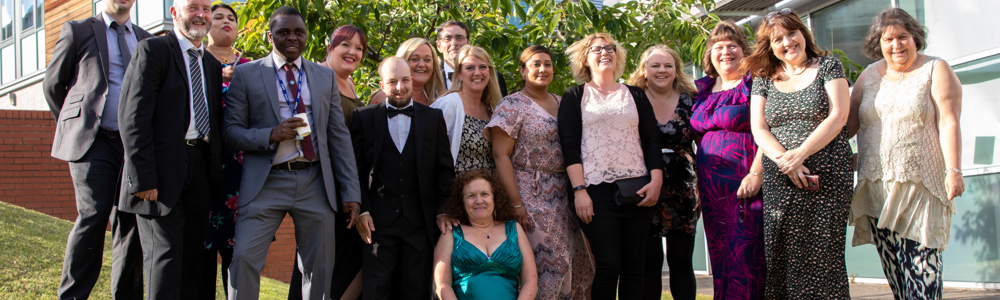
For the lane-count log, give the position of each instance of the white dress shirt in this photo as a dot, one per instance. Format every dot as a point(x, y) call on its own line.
point(399, 127)
point(192, 131)
point(291, 150)
point(447, 69)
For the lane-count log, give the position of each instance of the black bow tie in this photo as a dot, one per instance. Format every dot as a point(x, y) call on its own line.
point(392, 112)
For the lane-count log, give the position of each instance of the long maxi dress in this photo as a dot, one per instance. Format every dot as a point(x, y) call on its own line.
point(805, 231)
point(734, 228)
point(565, 268)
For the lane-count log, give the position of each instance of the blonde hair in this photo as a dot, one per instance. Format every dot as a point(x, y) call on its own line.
point(682, 81)
point(434, 87)
point(491, 96)
point(578, 56)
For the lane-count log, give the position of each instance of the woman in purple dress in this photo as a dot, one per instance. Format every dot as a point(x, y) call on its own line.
point(729, 167)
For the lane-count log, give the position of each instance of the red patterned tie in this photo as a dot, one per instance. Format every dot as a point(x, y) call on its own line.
point(307, 145)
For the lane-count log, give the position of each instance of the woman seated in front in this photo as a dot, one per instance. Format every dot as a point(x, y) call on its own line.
point(488, 256)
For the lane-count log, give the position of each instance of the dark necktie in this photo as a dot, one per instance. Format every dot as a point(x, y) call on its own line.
point(122, 45)
point(392, 111)
point(307, 144)
point(198, 93)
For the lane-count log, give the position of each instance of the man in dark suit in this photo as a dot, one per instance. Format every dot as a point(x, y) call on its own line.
point(82, 85)
point(285, 172)
point(170, 118)
point(405, 166)
point(451, 36)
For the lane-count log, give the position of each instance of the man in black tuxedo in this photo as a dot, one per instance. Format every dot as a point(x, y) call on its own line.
point(406, 169)
point(451, 36)
point(82, 85)
point(170, 119)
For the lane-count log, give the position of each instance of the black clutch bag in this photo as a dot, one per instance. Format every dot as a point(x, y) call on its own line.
point(626, 190)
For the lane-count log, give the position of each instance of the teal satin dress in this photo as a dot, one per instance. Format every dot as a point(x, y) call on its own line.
point(479, 277)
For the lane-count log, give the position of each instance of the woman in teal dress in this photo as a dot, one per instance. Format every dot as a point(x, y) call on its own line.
point(488, 257)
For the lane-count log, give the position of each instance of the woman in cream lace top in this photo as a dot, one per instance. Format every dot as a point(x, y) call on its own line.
point(608, 133)
point(905, 109)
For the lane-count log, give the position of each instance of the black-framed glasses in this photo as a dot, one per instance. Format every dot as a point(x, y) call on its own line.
point(784, 11)
point(597, 49)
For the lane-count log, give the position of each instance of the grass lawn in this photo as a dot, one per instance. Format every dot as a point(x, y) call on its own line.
point(32, 246)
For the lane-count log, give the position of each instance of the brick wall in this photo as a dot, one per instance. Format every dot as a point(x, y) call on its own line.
point(31, 178)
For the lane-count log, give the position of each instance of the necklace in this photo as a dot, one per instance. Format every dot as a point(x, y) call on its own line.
point(225, 59)
point(796, 74)
point(902, 74)
point(487, 233)
point(730, 85)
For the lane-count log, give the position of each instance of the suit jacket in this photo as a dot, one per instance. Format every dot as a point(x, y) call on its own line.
point(153, 117)
point(79, 71)
point(434, 162)
point(252, 111)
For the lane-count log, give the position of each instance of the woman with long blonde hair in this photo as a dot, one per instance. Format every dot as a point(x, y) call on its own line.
point(428, 83)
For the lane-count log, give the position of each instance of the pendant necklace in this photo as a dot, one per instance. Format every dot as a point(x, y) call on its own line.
point(487, 233)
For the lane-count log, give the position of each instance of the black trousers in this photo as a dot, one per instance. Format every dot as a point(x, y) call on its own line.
point(173, 245)
point(617, 237)
point(95, 181)
point(346, 266)
point(209, 268)
point(397, 264)
point(680, 248)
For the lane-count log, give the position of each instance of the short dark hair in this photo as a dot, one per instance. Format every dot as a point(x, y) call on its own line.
point(872, 47)
point(454, 206)
point(453, 23)
point(283, 11)
point(226, 6)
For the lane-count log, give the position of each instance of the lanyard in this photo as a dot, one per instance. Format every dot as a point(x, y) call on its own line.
point(298, 96)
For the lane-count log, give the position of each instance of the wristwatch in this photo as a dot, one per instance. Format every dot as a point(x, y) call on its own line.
point(579, 187)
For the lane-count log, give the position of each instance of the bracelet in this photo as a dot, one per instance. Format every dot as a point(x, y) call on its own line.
point(519, 205)
point(364, 213)
point(754, 173)
point(956, 170)
point(579, 187)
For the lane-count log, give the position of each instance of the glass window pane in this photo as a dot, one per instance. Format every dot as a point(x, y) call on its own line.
point(29, 55)
point(7, 64)
point(39, 11)
point(27, 14)
point(6, 19)
point(40, 35)
point(844, 25)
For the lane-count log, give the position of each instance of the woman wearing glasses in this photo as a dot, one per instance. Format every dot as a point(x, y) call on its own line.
point(610, 140)
point(799, 109)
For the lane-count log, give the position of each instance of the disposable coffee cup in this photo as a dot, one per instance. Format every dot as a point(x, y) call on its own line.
point(303, 131)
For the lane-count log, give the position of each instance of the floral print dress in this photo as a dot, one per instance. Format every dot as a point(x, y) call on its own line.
point(677, 208)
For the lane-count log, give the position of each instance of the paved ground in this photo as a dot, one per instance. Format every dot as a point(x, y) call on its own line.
point(862, 291)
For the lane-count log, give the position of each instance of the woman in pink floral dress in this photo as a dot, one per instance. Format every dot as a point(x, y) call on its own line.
point(529, 163)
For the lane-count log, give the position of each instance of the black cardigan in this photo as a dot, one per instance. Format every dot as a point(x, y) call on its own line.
point(571, 124)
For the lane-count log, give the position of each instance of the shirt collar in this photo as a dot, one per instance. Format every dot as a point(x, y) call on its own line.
point(387, 105)
point(108, 20)
point(280, 62)
point(184, 43)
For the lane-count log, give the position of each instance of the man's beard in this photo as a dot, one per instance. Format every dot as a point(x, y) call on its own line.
point(185, 27)
point(398, 100)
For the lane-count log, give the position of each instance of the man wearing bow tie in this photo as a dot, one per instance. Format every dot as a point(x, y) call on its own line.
point(405, 167)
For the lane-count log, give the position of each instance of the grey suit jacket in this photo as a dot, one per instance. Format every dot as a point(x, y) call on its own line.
point(252, 111)
point(76, 85)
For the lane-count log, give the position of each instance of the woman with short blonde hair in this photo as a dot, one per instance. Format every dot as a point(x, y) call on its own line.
point(611, 145)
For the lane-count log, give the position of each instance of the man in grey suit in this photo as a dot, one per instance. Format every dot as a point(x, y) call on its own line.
point(283, 172)
point(82, 86)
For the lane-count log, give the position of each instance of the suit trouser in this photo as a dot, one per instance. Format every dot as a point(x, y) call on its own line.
point(302, 195)
point(397, 264)
point(95, 180)
point(172, 245)
point(346, 266)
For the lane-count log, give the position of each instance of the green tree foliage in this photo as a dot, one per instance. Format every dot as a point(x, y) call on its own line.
point(503, 27)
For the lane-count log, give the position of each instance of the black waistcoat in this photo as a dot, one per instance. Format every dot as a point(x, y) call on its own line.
point(394, 184)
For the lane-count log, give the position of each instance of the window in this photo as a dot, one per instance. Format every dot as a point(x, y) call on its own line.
point(845, 24)
point(22, 40)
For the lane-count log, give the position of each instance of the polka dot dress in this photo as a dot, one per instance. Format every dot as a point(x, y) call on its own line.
point(804, 231)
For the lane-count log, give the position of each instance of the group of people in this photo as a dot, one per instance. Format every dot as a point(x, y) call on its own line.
point(400, 196)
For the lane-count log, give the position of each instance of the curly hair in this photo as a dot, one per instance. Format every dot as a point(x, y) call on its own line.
point(723, 31)
point(682, 81)
point(872, 47)
point(455, 207)
point(763, 63)
point(577, 53)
